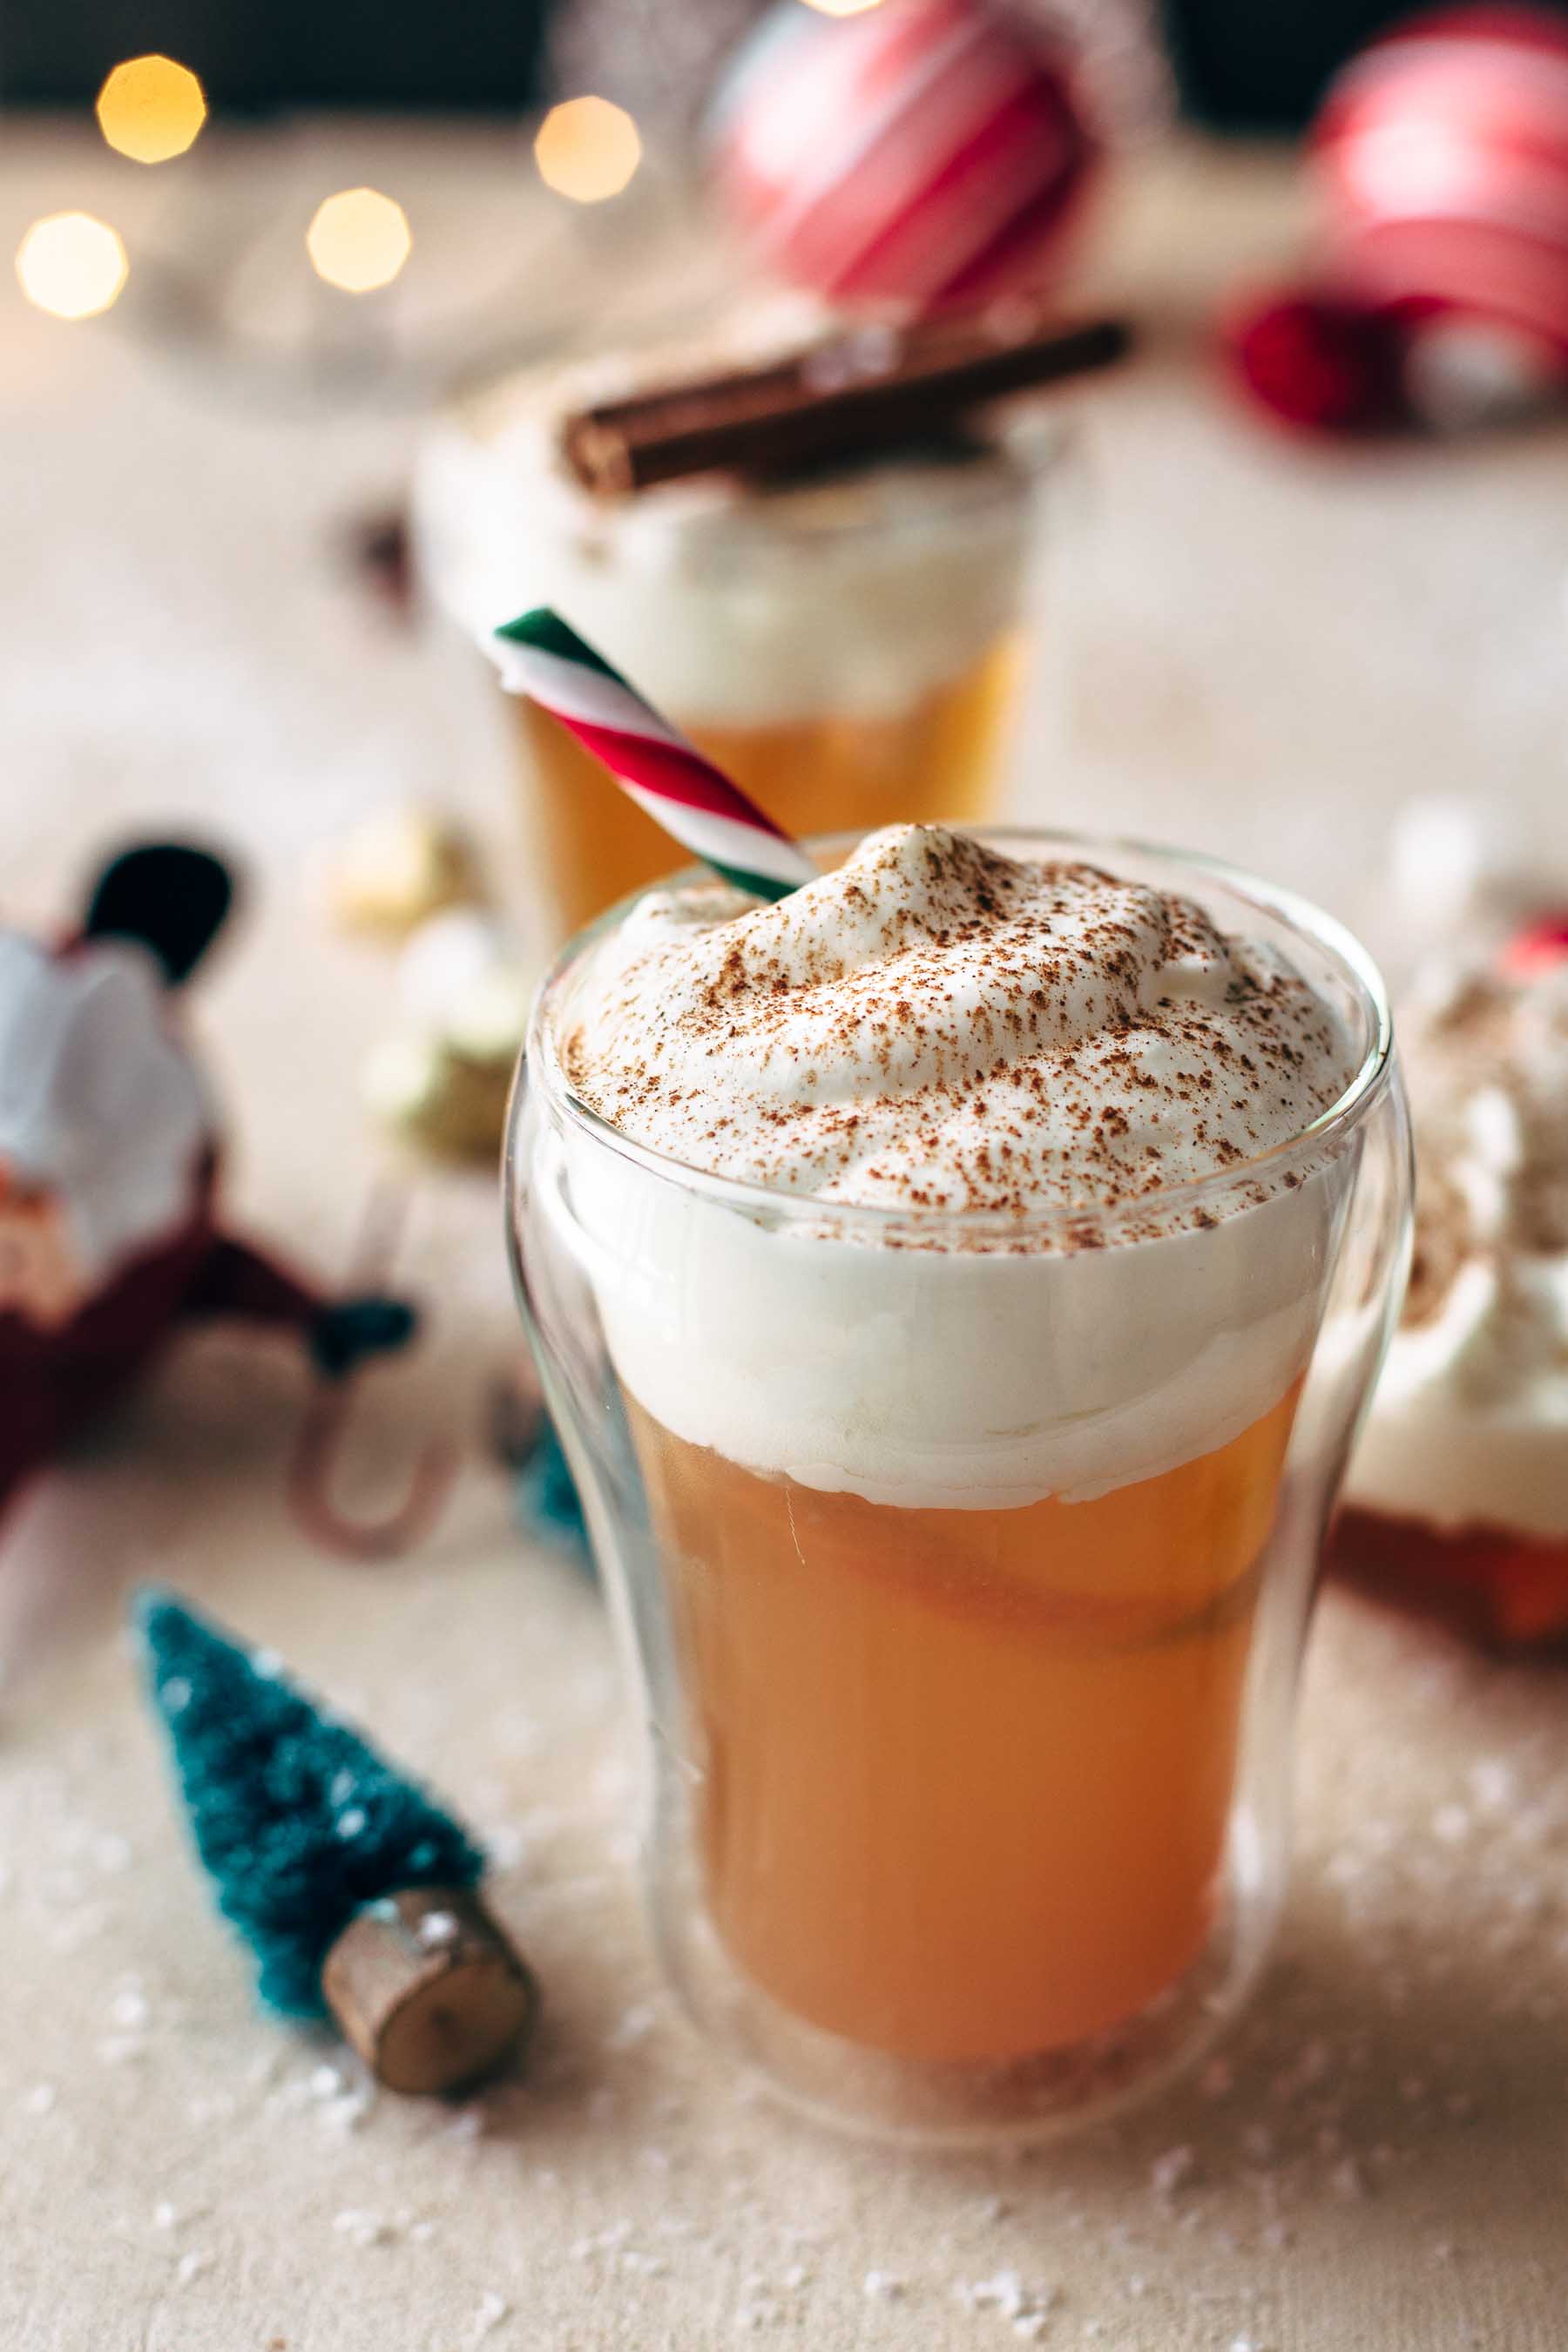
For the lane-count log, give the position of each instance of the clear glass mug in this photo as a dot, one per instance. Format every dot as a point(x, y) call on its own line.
point(968, 1813)
point(855, 649)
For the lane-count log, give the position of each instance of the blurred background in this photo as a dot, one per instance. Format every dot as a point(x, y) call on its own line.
point(284, 287)
point(294, 303)
point(253, 251)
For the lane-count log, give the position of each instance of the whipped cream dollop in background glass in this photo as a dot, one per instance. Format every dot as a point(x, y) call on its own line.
point(1470, 1423)
point(855, 595)
point(1006, 1180)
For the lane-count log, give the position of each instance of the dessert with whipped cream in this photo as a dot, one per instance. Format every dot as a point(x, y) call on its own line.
point(959, 1228)
point(1458, 1493)
point(847, 643)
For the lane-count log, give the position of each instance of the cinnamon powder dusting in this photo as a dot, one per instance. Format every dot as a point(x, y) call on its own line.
point(937, 1026)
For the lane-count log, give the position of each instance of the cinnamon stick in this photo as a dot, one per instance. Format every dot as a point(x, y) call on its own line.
point(862, 391)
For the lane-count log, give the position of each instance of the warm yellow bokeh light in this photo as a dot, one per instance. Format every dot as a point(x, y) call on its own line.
point(842, 8)
point(71, 265)
point(151, 109)
point(587, 149)
point(359, 239)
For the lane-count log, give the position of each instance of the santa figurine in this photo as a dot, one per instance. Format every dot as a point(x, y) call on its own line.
point(110, 1234)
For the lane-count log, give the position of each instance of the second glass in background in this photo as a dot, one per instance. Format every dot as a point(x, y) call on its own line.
point(854, 648)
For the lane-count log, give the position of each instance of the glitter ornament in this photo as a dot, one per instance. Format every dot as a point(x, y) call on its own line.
point(352, 1887)
point(921, 156)
point(441, 1078)
point(398, 867)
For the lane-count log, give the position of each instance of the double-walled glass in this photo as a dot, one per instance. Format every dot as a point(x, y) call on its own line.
point(962, 1566)
point(853, 647)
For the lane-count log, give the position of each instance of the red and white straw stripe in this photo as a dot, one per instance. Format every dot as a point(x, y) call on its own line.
point(540, 655)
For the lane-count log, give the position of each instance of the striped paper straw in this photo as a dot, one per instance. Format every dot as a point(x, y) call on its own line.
point(539, 655)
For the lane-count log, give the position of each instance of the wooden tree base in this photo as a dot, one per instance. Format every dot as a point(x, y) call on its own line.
point(428, 1991)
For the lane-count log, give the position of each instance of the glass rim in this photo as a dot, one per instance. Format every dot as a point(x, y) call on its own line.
point(1325, 1133)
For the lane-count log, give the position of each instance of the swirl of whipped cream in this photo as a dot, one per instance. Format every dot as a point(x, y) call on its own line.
point(1470, 1423)
point(936, 1028)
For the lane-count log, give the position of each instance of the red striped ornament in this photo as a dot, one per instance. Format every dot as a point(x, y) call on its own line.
point(926, 155)
point(540, 655)
point(1442, 157)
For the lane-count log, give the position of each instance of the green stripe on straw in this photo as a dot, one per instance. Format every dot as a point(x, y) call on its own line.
point(694, 801)
point(544, 629)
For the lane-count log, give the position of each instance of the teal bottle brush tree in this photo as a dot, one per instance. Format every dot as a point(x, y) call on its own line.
point(356, 1891)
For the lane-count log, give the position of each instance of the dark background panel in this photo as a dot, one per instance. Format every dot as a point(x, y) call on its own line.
point(1243, 64)
point(1261, 65)
point(252, 54)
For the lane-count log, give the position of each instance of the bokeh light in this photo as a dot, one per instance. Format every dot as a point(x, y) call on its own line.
point(151, 109)
point(842, 8)
point(358, 240)
point(587, 149)
point(71, 265)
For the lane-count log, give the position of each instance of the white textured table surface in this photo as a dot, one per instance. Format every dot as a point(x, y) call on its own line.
point(1271, 648)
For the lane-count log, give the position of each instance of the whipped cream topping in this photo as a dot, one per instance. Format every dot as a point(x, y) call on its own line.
point(1470, 1423)
point(854, 594)
point(934, 1028)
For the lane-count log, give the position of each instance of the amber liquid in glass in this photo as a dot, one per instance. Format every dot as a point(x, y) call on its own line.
point(965, 1775)
point(941, 756)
